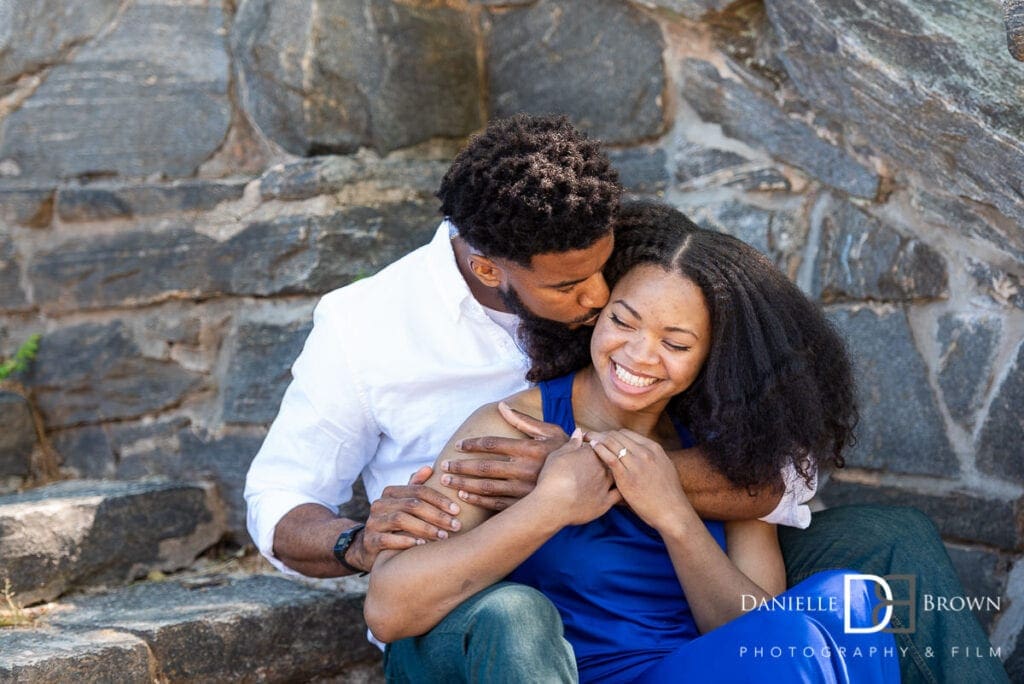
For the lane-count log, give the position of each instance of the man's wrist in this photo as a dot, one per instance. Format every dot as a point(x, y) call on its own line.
point(343, 546)
point(354, 556)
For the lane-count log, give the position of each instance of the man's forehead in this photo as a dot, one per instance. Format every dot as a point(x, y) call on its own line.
point(575, 264)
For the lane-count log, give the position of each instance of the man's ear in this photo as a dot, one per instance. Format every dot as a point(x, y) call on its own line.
point(486, 271)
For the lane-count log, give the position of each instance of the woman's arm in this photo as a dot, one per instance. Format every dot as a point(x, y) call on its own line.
point(411, 591)
point(506, 468)
point(714, 582)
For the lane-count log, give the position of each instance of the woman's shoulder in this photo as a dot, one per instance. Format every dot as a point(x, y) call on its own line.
point(527, 401)
point(487, 420)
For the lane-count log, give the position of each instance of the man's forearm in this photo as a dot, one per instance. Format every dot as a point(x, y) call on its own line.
point(304, 541)
point(714, 497)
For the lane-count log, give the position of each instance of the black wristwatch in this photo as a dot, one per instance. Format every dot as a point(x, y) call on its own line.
point(345, 540)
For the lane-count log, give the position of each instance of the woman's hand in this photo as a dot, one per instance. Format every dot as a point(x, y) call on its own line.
point(644, 475)
point(575, 485)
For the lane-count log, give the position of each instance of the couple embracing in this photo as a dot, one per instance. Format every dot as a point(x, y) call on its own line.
point(619, 515)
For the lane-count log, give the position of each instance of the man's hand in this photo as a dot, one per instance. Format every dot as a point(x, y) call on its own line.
point(497, 483)
point(416, 510)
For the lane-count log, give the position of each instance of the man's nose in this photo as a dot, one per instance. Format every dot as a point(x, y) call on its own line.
point(594, 294)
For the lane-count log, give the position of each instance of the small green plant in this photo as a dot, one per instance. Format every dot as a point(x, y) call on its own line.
point(19, 362)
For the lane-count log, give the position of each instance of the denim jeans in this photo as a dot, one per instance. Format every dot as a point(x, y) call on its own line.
point(895, 540)
point(506, 633)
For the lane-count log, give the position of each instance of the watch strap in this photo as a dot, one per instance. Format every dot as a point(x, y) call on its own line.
point(341, 547)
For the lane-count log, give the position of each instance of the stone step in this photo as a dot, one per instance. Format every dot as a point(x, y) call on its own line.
point(88, 532)
point(210, 629)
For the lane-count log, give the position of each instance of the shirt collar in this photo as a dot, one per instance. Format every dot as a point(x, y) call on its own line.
point(452, 287)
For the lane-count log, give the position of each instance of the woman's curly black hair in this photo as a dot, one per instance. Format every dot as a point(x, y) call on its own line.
point(530, 185)
point(777, 386)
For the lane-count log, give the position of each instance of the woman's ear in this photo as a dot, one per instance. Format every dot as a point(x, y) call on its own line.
point(486, 271)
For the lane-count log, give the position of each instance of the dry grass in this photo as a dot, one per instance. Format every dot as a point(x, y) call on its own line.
point(11, 613)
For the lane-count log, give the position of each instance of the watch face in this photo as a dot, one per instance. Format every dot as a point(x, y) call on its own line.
point(345, 541)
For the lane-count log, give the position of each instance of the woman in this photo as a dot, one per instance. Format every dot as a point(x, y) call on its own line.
point(702, 338)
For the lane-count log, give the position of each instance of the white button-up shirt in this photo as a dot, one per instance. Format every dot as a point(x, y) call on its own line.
point(393, 366)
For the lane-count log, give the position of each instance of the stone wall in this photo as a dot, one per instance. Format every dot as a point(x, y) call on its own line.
point(180, 180)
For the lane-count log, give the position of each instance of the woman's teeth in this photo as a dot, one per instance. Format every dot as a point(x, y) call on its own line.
point(630, 379)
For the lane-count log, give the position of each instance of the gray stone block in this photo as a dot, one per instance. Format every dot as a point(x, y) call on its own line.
point(86, 451)
point(137, 267)
point(36, 35)
point(748, 223)
point(764, 179)
point(26, 206)
point(965, 366)
point(12, 295)
point(288, 255)
point(85, 532)
point(641, 169)
point(598, 62)
point(1001, 448)
point(983, 574)
point(42, 656)
point(962, 216)
point(103, 202)
point(174, 450)
point(307, 178)
point(698, 167)
point(17, 435)
point(692, 9)
point(358, 242)
point(91, 373)
point(901, 429)
point(260, 628)
point(916, 80)
point(260, 370)
point(754, 117)
point(960, 516)
point(120, 105)
point(862, 258)
point(695, 161)
point(777, 233)
point(329, 77)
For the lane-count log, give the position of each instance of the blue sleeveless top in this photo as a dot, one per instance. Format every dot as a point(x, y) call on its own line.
point(612, 579)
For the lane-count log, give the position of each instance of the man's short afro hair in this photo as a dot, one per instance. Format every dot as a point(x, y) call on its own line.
point(530, 185)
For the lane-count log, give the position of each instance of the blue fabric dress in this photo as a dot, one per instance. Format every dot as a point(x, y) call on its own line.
point(627, 617)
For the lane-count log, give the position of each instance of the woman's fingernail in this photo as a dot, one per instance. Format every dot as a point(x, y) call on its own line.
point(441, 534)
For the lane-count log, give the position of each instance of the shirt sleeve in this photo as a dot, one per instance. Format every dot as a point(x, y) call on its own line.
point(320, 441)
point(793, 510)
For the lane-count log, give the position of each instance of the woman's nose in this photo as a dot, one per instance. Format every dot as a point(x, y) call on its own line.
point(641, 349)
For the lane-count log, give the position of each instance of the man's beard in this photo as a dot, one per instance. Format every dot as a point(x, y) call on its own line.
point(554, 348)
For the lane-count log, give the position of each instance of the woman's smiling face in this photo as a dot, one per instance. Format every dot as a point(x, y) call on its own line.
point(652, 339)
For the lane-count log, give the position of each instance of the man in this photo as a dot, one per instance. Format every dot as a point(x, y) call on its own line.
point(397, 361)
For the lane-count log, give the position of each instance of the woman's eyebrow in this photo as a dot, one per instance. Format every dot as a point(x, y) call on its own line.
point(682, 330)
point(630, 309)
